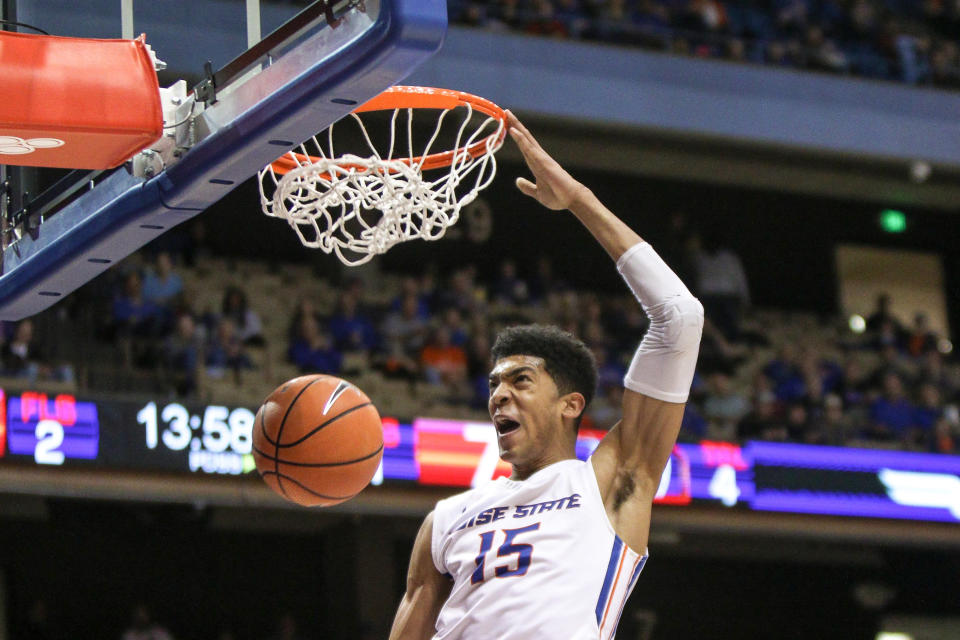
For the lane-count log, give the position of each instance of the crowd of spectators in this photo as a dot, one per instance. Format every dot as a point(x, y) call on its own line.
point(157, 326)
point(911, 41)
point(890, 385)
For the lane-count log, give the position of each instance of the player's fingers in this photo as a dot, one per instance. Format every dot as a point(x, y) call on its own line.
point(522, 139)
point(519, 132)
point(514, 121)
point(533, 155)
point(527, 187)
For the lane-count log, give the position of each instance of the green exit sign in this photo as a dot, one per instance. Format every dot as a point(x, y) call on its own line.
point(893, 221)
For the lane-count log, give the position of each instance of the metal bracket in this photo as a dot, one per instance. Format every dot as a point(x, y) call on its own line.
point(206, 89)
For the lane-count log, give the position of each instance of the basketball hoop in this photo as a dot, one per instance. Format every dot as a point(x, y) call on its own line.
point(358, 205)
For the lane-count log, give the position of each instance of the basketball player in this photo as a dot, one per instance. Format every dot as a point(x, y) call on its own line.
point(554, 551)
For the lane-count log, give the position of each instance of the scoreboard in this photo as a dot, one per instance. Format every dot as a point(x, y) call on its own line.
point(155, 435)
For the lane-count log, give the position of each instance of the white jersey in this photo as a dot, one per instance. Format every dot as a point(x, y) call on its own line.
point(536, 558)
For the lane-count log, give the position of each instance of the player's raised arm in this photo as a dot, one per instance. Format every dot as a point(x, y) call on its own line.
point(629, 461)
point(427, 590)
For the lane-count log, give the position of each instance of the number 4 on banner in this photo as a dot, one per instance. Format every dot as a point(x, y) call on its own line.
point(723, 485)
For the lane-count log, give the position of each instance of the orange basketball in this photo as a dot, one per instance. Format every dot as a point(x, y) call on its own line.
point(317, 440)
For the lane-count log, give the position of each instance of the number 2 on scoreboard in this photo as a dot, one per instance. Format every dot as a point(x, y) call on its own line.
point(523, 551)
point(49, 435)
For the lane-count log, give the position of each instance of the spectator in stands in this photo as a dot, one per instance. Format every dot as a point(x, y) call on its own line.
point(945, 66)
point(249, 328)
point(544, 21)
point(564, 307)
point(882, 314)
point(592, 334)
point(21, 354)
point(631, 322)
point(762, 420)
point(716, 352)
point(144, 627)
point(798, 423)
point(820, 375)
point(892, 415)
point(573, 16)
point(462, 292)
point(822, 52)
point(509, 287)
point(442, 361)
point(606, 408)
point(854, 384)
point(306, 307)
point(946, 431)
point(694, 426)
point(225, 350)
point(930, 411)
point(133, 313)
point(453, 323)
point(182, 353)
point(413, 287)
point(791, 16)
point(395, 362)
point(478, 367)
point(784, 371)
point(724, 407)
point(864, 21)
point(888, 334)
point(921, 339)
point(473, 14)
point(428, 294)
point(610, 370)
point(161, 285)
point(704, 15)
point(405, 327)
point(592, 313)
point(893, 360)
point(831, 425)
point(721, 285)
point(932, 370)
point(351, 329)
point(544, 282)
point(312, 350)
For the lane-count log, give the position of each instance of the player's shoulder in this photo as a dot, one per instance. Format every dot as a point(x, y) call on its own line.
point(449, 509)
point(457, 503)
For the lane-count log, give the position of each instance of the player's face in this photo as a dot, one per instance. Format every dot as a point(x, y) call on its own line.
point(526, 410)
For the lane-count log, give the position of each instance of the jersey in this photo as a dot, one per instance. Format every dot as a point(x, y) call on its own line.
point(536, 558)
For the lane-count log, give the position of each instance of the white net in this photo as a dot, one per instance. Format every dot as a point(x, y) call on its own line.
point(358, 206)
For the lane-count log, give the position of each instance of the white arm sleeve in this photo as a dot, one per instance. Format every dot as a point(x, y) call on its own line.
point(664, 363)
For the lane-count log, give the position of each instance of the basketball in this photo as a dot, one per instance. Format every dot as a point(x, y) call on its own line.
point(317, 440)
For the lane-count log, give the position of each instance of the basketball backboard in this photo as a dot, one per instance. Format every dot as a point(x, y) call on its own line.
point(307, 74)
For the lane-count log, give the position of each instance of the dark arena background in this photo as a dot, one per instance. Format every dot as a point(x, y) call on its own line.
point(796, 162)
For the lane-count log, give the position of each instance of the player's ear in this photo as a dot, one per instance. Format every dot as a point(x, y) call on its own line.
point(572, 405)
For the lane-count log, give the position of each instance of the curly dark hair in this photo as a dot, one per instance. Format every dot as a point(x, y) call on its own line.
point(566, 358)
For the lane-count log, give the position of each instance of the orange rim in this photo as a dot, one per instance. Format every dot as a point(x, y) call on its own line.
point(408, 97)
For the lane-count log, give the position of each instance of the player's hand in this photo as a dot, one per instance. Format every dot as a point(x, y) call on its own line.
point(554, 187)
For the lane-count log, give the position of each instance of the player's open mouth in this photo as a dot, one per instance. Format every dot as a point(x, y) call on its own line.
point(505, 425)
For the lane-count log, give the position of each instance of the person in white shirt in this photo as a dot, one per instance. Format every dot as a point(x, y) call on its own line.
point(554, 550)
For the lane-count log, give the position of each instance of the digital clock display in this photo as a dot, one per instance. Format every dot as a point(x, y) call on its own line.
point(218, 440)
